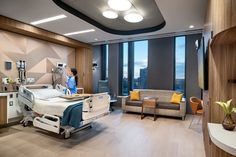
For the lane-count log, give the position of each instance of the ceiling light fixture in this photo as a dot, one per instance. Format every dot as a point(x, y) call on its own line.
point(80, 32)
point(119, 5)
point(191, 26)
point(49, 19)
point(133, 17)
point(110, 14)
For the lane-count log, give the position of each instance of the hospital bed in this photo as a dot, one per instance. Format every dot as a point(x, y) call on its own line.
point(45, 106)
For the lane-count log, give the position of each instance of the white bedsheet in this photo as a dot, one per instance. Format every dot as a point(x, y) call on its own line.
point(53, 106)
point(48, 101)
point(56, 106)
point(46, 93)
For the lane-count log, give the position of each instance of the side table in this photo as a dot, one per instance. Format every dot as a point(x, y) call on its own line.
point(149, 102)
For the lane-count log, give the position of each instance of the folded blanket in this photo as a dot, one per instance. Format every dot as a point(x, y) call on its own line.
point(72, 116)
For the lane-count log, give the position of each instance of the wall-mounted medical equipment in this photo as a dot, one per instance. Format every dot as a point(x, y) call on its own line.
point(61, 65)
point(21, 66)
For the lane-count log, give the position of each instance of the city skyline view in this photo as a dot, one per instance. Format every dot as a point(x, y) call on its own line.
point(139, 79)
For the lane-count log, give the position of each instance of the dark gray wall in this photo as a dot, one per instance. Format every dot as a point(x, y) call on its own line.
point(97, 71)
point(192, 88)
point(160, 66)
point(113, 68)
point(161, 63)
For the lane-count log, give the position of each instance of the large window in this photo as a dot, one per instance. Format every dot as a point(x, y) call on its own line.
point(180, 64)
point(140, 64)
point(107, 55)
point(125, 87)
point(134, 66)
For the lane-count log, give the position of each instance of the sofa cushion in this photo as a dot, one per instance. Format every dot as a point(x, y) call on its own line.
point(134, 95)
point(176, 98)
point(162, 95)
point(168, 105)
point(134, 103)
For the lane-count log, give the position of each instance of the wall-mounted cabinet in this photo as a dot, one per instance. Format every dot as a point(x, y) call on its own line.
point(13, 109)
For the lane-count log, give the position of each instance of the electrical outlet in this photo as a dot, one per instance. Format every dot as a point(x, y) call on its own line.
point(30, 80)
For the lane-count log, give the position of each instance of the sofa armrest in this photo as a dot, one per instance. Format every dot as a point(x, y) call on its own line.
point(182, 108)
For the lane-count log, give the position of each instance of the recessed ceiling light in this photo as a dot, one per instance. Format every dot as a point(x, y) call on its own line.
point(48, 19)
point(110, 14)
point(191, 26)
point(133, 17)
point(119, 5)
point(95, 39)
point(80, 32)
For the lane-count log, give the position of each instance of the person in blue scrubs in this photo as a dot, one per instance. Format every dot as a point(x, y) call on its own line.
point(72, 80)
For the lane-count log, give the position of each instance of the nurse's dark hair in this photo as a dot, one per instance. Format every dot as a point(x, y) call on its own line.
point(74, 71)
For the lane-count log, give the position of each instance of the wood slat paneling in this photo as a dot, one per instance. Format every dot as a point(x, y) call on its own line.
point(223, 68)
point(226, 37)
point(221, 19)
point(206, 119)
point(32, 31)
point(217, 152)
point(221, 15)
point(83, 62)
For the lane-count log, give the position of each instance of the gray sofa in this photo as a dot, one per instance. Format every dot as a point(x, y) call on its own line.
point(164, 107)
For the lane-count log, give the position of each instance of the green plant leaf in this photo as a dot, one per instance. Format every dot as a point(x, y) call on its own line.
point(228, 103)
point(222, 104)
point(234, 110)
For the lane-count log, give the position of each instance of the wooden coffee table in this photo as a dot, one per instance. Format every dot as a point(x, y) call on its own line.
point(149, 102)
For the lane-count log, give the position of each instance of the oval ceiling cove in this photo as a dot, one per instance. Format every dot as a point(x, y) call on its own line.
point(91, 12)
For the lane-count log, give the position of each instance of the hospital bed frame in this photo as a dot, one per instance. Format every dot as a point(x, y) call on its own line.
point(51, 122)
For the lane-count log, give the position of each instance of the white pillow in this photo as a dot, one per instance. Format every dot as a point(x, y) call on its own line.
point(47, 93)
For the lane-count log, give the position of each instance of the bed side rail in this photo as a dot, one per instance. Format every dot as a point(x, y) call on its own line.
point(63, 89)
point(26, 96)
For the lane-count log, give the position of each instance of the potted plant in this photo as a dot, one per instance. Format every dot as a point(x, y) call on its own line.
point(228, 122)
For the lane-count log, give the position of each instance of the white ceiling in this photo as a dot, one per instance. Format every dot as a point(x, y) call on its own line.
point(178, 14)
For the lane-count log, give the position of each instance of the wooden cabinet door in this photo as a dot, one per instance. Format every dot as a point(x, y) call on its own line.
point(3, 110)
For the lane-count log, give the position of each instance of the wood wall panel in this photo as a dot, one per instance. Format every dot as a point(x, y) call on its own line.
point(223, 68)
point(84, 65)
point(32, 31)
point(206, 119)
point(234, 13)
point(221, 19)
point(217, 152)
point(220, 15)
point(3, 110)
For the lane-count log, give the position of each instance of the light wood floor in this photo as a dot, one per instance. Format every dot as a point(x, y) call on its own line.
point(116, 135)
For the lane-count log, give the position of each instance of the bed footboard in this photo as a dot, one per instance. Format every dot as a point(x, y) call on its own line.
point(48, 122)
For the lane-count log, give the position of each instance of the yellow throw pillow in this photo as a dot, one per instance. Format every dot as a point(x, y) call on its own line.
point(176, 98)
point(134, 95)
